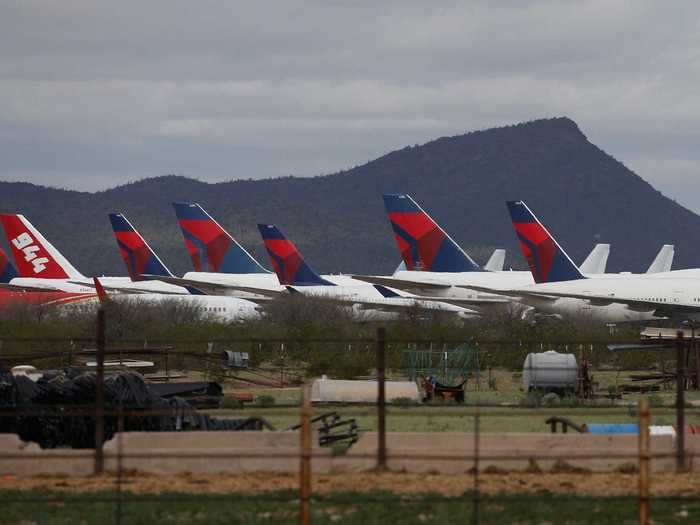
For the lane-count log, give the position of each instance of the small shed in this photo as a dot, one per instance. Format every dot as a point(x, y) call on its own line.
point(549, 371)
point(326, 390)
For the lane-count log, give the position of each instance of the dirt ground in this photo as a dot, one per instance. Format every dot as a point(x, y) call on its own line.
point(613, 484)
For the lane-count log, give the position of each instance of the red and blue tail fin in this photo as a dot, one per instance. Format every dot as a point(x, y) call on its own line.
point(423, 244)
point(289, 265)
point(33, 254)
point(135, 251)
point(7, 269)
point(548, 262)
point(101, 293)
point(211, 247)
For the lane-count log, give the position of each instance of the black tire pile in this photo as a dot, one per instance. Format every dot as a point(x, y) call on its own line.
point(56, 410)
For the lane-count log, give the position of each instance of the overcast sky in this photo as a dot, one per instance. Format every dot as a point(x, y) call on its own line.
point(94, 93)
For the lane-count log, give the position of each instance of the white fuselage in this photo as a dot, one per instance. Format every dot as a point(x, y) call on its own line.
point(75, 286)
point(347, 289)
point(564, 306)
point(214, 307)
point(369, 295)
point(673, 290)
point(264, 281)
point(458, 281)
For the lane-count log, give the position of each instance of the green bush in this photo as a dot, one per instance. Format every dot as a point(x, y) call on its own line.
point(570, 400)
point(341, 364)
point(551, 400)
point(532, 399)
point(404, 402)
point(656, 400)
point(231, 403)
point(265, 400)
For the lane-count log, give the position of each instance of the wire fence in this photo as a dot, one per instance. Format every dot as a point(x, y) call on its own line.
point(472, 455)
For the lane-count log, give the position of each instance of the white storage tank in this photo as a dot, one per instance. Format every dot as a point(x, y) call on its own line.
point(326, 390)
point(549, 371)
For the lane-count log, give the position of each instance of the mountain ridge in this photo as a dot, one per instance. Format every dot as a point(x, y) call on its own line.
point(583, 194)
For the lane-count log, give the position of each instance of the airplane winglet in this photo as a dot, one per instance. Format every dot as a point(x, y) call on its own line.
point(386, 292)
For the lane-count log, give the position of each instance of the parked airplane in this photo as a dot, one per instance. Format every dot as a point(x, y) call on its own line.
point(234, 271)
point(298, 277)
point(42, 267)
point(215, 307)
point(438, 268)
point(10, 295)
point(222, 265)
point(140, 259)
point(562, 289)
point(35, 255)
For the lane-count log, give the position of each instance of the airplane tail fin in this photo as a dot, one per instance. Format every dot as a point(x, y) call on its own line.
point(135, 251)
point(211, 247)
point(597, 260)
point(664, 259)
point(7, 269)
point(33, 254)
point(288, 263)
point(422, 243)
point(101, 294)
point(548, 261)
point(496, 261)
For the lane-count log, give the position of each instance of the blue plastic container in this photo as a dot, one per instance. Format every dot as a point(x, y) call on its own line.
point(613, 428)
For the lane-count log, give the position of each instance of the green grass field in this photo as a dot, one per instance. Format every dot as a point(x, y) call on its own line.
point(350, 508)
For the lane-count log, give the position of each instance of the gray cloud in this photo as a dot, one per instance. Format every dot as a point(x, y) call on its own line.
point(97, 93)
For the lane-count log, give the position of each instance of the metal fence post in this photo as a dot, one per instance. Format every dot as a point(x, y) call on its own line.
point(643, 461)
point(305, 467)
point(120, 466)
point(99, 391)
point(680, 403)
point(476, 496)
point(381, 398)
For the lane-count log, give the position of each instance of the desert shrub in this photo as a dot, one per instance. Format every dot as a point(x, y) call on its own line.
point(265, 400)
point(656, 400)
point(339, 363)
point(551, 399)
point(403, 402)
point(570, 400)
point(231, 403)
point(532, 399)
